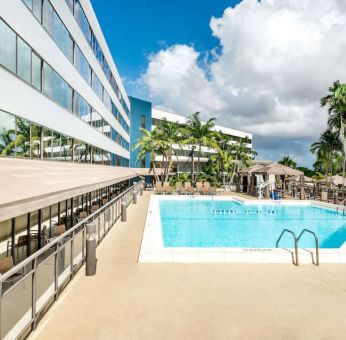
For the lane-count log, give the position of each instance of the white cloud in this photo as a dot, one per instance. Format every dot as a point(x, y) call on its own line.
point(277, 59)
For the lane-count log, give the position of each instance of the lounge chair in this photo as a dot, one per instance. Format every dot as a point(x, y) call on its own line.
point(212, 191)
point(199, 186)
point(206, 184)
point(178, 187)
point(204, 191)
point(188, 189)
point(159, 189)
point(168, 189)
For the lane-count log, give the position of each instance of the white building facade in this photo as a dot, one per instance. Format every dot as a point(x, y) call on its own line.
point(61, 97)
point(182, 159)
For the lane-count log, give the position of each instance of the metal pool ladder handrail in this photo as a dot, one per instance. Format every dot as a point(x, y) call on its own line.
point(295, 261)
point(316, 245)
point(342, 204)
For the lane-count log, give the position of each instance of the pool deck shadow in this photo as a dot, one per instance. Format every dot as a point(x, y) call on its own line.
point(129, 300)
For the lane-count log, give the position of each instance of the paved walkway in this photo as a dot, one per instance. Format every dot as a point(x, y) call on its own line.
point(127, 300)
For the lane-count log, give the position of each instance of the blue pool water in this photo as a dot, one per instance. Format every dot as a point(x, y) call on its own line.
point(195, 223)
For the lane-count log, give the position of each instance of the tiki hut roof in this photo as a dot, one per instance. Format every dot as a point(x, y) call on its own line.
point(298, 179)
point(335, 180)
point(278, 170)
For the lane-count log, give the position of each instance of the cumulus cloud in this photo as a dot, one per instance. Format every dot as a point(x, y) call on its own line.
point(276, 59)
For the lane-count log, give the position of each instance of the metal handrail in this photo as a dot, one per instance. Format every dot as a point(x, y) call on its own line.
point(106, 217)
point(316, 244)
point(296, 261)
point(342, 204)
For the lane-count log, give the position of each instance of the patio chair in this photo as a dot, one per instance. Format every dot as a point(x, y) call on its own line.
point(82, 215)
point(6, 263)
point(104, 201)
point(94, 208)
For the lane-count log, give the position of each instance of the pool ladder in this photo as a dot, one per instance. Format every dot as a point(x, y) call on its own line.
point(342, 205)
point(296, 239)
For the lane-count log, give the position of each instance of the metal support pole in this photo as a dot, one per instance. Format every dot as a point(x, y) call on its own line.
point(13, 240)
point(91, 261)
point(39, 228)
point(28, 232)
point(141, 189)
point(134, 197)
point(123, 211)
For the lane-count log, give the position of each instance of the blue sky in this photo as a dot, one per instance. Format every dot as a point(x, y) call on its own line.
point(136, 28)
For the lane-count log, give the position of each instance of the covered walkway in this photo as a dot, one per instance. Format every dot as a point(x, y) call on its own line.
point(128, 300)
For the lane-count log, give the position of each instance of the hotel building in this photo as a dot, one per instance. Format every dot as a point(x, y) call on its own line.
point(61, 97)
point(182, 158)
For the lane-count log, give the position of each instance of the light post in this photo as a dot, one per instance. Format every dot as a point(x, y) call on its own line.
point(193, 165)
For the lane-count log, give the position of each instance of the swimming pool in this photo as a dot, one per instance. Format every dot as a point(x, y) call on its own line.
point(198, 223)
point(233, 229)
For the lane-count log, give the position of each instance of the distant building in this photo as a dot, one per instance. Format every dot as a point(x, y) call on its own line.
point(182, 159)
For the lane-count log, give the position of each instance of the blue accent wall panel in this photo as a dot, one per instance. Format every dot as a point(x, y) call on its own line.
point(139, 108)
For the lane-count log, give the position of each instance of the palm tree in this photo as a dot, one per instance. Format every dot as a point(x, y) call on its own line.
point(288, 161)
point(200, 134)
point(148, 144)
point(336, 103)
point(168, 134)
point(242, 156)
point(327, 151)
point(160, 142)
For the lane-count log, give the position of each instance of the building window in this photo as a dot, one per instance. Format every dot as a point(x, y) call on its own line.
point(62, 37)
point(143, 122)
point(82, 65)
point(82, 20)
point(56, 88)
point(7, 47)
point(36, 71)
point(97, 86)
point(37, 9)
point(24, 60)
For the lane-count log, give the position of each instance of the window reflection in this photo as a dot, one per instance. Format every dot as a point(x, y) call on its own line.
point(47, 144)
point(19, 137)
point(23, 138)
point(35, 141)
point(7, 134)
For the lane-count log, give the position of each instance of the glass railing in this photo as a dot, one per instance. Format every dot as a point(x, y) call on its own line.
point(28, 289)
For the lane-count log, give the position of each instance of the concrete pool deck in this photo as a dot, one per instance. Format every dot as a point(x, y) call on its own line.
point(129, 300)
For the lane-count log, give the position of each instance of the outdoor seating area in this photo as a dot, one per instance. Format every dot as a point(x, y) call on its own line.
point(27, 233)
point(201, 188)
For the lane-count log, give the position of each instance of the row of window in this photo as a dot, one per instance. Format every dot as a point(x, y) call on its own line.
point(21, 138)
point(18, 57)
point(78, 12)
point(46, 14)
